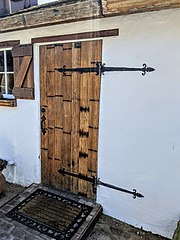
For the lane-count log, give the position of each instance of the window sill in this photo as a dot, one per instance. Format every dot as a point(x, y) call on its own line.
point(8, 102)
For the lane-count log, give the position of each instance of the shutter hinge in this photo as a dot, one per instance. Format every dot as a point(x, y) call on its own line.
point(97, 182)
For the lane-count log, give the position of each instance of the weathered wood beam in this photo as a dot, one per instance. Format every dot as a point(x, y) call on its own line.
point(62, 12)
point(76, 10)
point(123, 7)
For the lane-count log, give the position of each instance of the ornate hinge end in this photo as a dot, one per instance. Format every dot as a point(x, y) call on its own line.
point(136, 194)
point(146, 69)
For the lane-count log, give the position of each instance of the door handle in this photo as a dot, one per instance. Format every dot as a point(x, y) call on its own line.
point(43, 121)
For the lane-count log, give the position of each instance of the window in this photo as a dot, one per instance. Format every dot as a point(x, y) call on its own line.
point(6, 74)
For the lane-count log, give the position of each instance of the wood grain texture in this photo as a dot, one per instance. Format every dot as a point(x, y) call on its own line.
point(73, 11)
point(43, 70)
point(76, 36)
point(71, 139)
point(8, 103)
point(68, 11)
point(120, 7)
point(23, 71)
point(76, 54)
point(45, 169)
point(10, 43)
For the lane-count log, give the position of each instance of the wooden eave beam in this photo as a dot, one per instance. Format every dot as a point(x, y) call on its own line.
point(125, 7)
point(73, 11)
point(63, 12)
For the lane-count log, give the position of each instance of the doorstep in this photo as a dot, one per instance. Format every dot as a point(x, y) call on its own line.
point(13, 230)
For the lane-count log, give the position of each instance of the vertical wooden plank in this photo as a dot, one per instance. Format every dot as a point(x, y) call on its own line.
point(93, 97)
point(66, 92)
point(51, 143)
point(50, 79)
point(50, 62)
point(67, 122)
point(58, 105)
point(58, 64)
point(51, 112)
point(45, 170)
point(51, 136)
point(86, 56)
point(43, 69)
point(66, 160)
point(50, 58)
point(92, 163)
point(76, 62)
point(56, 177)
point(66, 79)
point(58, 144)
point(94, 81)
point(93, 139)
point(94, 114)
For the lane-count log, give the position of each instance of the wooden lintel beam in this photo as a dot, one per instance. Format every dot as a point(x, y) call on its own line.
point(73, 11)
point(121, 7)
point(62, 12)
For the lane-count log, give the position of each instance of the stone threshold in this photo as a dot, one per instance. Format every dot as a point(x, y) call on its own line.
point(12, 230)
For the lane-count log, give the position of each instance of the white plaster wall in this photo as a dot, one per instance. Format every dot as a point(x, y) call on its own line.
point(45, 1)
point(139, 142)
point(20, 137)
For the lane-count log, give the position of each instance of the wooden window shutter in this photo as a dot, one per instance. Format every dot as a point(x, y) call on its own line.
point(23, 72)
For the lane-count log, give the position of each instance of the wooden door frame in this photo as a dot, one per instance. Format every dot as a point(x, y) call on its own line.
point(75, 38)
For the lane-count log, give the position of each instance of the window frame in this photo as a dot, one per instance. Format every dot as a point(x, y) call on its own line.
point(6, 95)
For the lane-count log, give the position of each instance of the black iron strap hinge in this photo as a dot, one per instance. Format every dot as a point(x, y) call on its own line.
point(96, 182)
point(100, 69)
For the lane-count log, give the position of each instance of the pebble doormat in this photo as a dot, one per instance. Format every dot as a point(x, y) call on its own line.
point(56, 216)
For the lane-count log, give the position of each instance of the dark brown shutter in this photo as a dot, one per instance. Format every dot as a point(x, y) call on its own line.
point(23, 72)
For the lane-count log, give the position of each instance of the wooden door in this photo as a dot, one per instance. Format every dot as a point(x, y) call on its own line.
point(71, 112)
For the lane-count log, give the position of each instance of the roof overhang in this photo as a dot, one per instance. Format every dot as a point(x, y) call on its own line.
point(124, 7)
point(78, 10)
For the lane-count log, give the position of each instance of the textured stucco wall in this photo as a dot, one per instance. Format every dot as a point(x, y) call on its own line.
point(139, 125)
point(139, 142)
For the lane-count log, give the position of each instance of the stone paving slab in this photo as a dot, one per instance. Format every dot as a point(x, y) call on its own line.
point(12, 230)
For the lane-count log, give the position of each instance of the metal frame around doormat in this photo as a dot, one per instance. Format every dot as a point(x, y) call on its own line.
point(43, 228)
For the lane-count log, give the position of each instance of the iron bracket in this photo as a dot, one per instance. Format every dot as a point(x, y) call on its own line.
point(97, 182)
point(100, 69)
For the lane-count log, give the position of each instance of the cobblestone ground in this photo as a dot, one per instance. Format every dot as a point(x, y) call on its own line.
point(106, 229)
